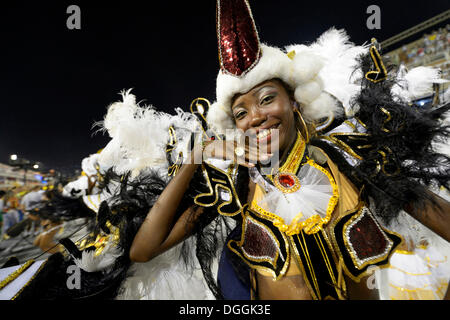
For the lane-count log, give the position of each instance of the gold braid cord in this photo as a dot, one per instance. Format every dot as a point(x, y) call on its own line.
point(13, 276)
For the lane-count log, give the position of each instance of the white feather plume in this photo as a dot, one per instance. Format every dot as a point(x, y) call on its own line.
point(338, 56)
point(164, 278)
point(91, 263)
point(416, 83)
point(140, 133)
point(326, 66)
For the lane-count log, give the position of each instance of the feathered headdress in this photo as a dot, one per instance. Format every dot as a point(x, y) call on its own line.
point(245, 63)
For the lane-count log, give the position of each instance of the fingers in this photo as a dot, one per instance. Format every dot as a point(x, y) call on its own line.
point(250, 155)
point(246, 155)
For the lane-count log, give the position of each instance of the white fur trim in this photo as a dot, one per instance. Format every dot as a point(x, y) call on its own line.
point(273, 63)
point(305, 66)
point(309, 91)
point(219, 119)
point(326, 66)
point(323, 106)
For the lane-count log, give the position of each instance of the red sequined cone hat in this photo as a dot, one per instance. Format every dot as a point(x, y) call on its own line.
point(239, 48)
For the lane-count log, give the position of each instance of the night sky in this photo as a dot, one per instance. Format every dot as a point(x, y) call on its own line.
point(56, 83)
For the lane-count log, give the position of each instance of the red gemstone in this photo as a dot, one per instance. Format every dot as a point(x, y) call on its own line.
point(286, 180)
point(367, 238)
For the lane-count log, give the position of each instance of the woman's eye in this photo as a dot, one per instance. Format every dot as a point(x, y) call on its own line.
point(267, 99)
point(239, 114)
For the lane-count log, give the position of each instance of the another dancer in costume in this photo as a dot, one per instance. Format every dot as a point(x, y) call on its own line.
point(117, 188)
point(352, 155)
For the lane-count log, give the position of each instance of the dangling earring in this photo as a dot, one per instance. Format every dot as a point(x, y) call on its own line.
point(305, 134)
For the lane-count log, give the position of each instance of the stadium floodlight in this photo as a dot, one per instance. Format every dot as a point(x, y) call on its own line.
point(13, 157)
point(36, 166)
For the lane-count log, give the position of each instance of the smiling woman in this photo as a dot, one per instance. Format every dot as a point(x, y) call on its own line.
point(291, 185)
point(268, 112)
point(316, 222)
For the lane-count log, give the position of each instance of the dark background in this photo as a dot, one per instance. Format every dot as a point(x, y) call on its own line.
point(56, 83)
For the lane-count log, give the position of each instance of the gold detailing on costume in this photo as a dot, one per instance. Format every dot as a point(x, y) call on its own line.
point(434, 264)
point(380, 73)
point(101, 241)
point(342, 291)
point(358, 263)
point(300, 265)
point(351, 125)
point(389, 117)
point(309, 264)
point(296, 182)
point(404, 252)
point(361, 123)
point(424, 293)
point(385, 160)
point(295, 156)
point(94, 205)
point(29, 281)
point(214, 185)
point(320, 126)
point(13, 276)
point(199, 107)
point(291, 54)
point(325, 258)
point(336, 279)
point(249, 258)
point(173, 168)
point(291, 166)
point(409, 273)
point(312, 224)
point(334, 137)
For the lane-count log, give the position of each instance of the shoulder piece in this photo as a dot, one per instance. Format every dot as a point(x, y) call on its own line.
point(361, 242)
point(261, 245)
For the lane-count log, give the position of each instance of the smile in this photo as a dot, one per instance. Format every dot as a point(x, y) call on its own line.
point(265, 133)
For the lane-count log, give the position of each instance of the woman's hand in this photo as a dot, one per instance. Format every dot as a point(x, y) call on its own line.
point(244, 154)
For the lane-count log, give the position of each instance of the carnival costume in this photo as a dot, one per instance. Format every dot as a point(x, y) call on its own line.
point(333, 207)
point(114, 193)
point(376, 144)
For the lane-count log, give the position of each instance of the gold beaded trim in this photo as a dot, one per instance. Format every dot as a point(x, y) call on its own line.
point(31, 279)
point(14, 275)
point(291, 165)
point(294, 158)
point(312, 224)
point(292, 189)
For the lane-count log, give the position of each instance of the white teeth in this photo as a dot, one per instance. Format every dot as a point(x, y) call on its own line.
point(264, 133)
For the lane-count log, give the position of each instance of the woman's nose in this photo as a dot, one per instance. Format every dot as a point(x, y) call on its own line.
point(257, 117)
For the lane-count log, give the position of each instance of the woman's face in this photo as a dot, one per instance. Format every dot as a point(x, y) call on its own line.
point(264, 108)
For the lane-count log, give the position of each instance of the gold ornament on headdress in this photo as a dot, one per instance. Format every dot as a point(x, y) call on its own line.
point(170, 146)
point(199, 108)
point(380, 73)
